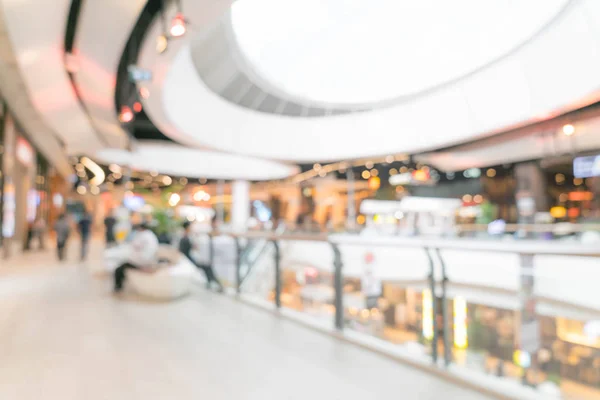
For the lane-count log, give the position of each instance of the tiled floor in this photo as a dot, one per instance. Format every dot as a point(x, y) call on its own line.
point(64, 336)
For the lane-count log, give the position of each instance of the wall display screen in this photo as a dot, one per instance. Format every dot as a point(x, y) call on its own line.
point(133, 203)
point(33, 200)
point(8, 222)
point(586, 167)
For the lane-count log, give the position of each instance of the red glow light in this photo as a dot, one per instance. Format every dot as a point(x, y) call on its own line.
point(126, 114)
point(311, 272)
point(137, 106)
point(178, 26)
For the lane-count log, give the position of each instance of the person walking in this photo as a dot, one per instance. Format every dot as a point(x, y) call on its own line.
point(185, 247)
point(63, 230)
point(84, 226)
point(109, 225)
point(39, 231)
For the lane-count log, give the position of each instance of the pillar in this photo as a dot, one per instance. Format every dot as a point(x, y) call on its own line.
point(220, 205)
point(240, 205)
point(351, 219)
point(531, 191)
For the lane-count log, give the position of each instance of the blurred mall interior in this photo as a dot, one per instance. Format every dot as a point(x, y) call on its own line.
point(279, 198)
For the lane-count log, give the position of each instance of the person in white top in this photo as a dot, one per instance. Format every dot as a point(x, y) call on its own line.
point(144, 248)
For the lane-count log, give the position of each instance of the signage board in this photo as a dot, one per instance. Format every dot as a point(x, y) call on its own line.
point(24, 152)
point(586, 167)
point(139, 74)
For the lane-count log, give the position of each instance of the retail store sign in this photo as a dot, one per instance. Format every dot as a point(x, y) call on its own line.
point(137, 74)
point(592, 329)
point(586, 167)
point(25, 153)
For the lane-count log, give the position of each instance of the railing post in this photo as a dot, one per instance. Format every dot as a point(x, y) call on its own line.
point(238, 265)
point(434, 342)
point(277, 274)
point(445, 314)
point(338, 287)
point(211, 251)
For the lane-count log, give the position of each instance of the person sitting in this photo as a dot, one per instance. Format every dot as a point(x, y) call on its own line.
point(185, 247)
point(143, 256)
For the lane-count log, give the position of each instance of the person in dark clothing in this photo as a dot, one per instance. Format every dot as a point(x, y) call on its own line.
point(185, 247)
point(109, 224)
point(84, 225)
point(63, 230)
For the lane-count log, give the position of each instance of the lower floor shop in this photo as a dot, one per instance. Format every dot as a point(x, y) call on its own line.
point(481, 336)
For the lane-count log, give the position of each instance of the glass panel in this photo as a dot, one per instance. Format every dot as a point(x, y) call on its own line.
point(528, 320)
point(307, 280)
point(224, 259)
point(258, 272)
point(387, 295)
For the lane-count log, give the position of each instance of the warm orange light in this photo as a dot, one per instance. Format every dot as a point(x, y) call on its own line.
point(374, 183)
point(161, 44)
point(420, 175)
point(137, 106)
point(573, 212)
point(581, 196)
point(178, 26)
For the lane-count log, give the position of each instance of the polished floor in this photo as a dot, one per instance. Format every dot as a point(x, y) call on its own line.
point(64, 336)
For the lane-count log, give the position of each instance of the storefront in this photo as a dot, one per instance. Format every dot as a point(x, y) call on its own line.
point(30, 188)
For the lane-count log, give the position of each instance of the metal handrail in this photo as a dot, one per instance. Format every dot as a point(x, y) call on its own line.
point(437, 275)
point(523, 246)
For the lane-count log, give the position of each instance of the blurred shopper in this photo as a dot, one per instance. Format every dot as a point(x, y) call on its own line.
point(185, 247)
point(39, 231)
point(63, 230)
point(85, 226)
point(143, 256)
point(109, 226)
point(29, 237)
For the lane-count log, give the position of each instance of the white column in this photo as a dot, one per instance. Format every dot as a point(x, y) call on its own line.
point(351, 219)
point(220, 206)
point(240, 205)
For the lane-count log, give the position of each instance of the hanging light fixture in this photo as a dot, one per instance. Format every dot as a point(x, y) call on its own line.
point(126, 115)
point(178, 27)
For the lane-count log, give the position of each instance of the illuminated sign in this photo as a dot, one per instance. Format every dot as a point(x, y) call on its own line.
point(460, 323)
point(138, 74)
point(417, 177)
point(25, 152)
point(8, 223)
point(133, 203)
point(581, 196)
point(427, 314)
point(586, 167)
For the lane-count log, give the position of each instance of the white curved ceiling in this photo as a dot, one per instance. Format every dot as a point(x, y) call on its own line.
point(555, 72)
point(173, 159)
point(14, 92)
point(355, 51)
point(547, 145)
point(38, 42)
point(102, 32)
